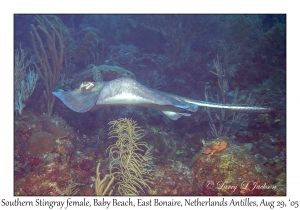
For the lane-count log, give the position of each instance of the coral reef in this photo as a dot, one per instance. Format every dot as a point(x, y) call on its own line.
point(174, 178)
point(233, 172)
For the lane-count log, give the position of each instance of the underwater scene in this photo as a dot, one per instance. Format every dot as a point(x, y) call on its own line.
point(150, 105)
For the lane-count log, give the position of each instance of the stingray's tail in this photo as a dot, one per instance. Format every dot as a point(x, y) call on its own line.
point(234, 107)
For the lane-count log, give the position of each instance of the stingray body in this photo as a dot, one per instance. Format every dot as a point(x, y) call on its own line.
point(126, 91)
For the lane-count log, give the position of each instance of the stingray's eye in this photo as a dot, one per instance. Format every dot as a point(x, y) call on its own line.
point(87, 85)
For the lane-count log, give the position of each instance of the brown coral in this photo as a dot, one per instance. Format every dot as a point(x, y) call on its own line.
point(215, 147)
point(55, 126)
point(40, 143)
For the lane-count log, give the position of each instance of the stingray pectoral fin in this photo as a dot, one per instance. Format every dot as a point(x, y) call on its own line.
point(81, 99)
point(175, 115)
point(77, 102)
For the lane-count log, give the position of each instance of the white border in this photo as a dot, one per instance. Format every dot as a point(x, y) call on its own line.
point(8, 8)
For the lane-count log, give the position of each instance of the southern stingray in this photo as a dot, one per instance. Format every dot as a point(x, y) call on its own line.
point(126, 91)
